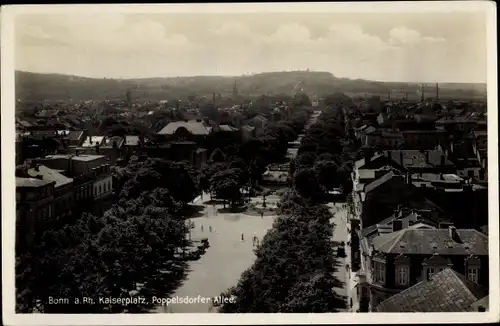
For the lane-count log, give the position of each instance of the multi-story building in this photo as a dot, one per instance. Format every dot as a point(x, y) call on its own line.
point(422, 161)
point(92, 172)
point(34, 207)
point(63, 190)
point(394, 261)
point(425, 139)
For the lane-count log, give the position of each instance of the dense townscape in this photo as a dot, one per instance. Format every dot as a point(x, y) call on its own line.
point(275, 203)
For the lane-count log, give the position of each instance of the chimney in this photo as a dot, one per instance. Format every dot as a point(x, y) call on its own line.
point(401, 157)
point(408, 178)
point(37, 167)
point(397, 225)
point(427, 157)
point(442, 160)
point(481, 309)
point(453, 233)
point(185, 120)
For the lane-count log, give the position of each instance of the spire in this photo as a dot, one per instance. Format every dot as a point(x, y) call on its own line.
point(423, 92)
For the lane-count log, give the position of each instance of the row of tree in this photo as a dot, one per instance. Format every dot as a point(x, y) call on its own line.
point(134, 249)
point(293, 270)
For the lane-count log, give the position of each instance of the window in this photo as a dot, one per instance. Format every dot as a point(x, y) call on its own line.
point(100, 190)
point(402, 275)
point(473, 274)
point(379, 272)
point(429, 272)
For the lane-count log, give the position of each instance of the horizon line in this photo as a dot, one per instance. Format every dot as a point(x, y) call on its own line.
point(249, 75)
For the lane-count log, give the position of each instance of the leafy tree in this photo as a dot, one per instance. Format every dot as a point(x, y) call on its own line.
point(227, 185)
point(307, 185)
point(326, 172)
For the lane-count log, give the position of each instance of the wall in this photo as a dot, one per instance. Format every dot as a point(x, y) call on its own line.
point(102, 187)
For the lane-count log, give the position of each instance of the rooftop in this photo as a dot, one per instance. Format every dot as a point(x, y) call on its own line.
point(93, 140)
point(50, 175)
point(447, 291)
point(31, 182)
point(79, 157)
point(432, 241)
point(380, 181)
point(227, 128)
point(75, 134)
point(193, 126)
point(416, 158)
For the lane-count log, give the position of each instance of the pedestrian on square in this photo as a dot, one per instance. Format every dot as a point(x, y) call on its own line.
point(242, 238)
point(210, 228)
point(202, 228)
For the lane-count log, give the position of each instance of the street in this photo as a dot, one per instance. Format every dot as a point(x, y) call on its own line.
point(227, 257)
point(343, 272)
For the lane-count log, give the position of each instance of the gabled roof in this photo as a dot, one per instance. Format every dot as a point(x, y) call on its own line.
point(193, 126)
point(108, 141)
point(50, 175)
point(448, 291)
point(380, 181)
point(248, 128)
point(91, 141)
point(75, 134)
point(431, 241)
point(227, 128)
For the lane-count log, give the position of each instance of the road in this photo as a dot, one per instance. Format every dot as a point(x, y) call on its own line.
point(347, 278)
point(224, 261)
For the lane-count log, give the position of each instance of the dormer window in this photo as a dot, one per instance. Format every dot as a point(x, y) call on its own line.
point(473, 265)
point(473, 274)
point(379, 269)
point(402, 264)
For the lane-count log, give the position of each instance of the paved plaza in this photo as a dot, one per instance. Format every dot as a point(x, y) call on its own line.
point(226, 258)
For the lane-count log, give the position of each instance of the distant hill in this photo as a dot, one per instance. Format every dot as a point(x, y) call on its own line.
point(35, 87)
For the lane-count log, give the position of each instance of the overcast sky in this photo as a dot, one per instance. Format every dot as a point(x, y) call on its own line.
point(441, 47)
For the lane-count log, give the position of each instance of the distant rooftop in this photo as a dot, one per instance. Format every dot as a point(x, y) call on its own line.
point(193, 126)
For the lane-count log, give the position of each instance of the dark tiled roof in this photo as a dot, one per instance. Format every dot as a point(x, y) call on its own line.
point(448, 291)
point(430, 241)
point(75, 134)
point(193, 126)
point(416, 158)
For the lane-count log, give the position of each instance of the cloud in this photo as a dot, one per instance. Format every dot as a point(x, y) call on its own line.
point(404, 35)
point(293, 33)
point(232, 29)
point(102, 33)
